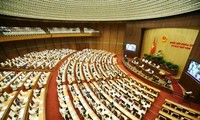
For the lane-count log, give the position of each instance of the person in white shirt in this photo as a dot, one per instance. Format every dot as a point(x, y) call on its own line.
point(148, 70)
point(158, 66)
point(140, 112)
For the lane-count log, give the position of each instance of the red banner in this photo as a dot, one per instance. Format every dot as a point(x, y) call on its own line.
point(181, 45)
point(153, 48)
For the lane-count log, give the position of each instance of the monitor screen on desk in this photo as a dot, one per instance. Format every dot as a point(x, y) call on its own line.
point(194, 70)
point(131, 47)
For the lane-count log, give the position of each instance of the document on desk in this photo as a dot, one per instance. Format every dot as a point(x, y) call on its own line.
point(21, 113)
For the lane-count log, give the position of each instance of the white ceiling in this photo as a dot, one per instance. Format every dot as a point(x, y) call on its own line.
point(96, 10)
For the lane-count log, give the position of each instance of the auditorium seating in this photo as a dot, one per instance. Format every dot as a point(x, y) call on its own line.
point(89, 30)
point(92, 68)
point(150, 73)
point(20, 105)
point(175, 111)
point(97, 103)
point(18, 31)
point(66, 108)
point(6, 102)
point(46, 59)
point(63, 30)
point(37, 104)
point(88, 81)
point(21, 96)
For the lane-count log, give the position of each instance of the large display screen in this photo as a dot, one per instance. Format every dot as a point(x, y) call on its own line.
point(194, 70)
point(131, 47)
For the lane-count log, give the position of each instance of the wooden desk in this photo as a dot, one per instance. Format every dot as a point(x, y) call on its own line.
point(131, 88)
point(87, 73)
point(70, 106)
point(124, 111)
point(5, 87)
point(36, 78)
point(42, 104)
point(6, 105)
point(98, 101)
point(9, 72)
point(143, 84)
point(187, 108)
point(48, 76)
point(95, 73)
point(19, 86)
point(101, 70)
point(114, 61)
point(146, 85)
point(180, 113)
point(121, 96)
point(167, 115)
point(23, 114)
point(84, 103)
point(121, 69)
point(64, 74)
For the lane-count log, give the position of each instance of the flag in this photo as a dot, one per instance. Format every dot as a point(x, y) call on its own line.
point(153, 48)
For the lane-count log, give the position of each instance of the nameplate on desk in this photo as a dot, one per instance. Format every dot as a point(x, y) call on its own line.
point(21, 113)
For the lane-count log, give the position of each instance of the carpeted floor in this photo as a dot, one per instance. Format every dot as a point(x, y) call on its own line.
point(176, 87)
point(52, 104)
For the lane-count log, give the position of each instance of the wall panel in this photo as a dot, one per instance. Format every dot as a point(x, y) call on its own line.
point(3, 55)
point(99, 45)
point(111, 36)
point(8, 46)
point(121, 33)
point(49, 44)
point(106, 33)
point(21, 47)
point(12, 54)
point(119, 49)
point(31, 45)
point(57, 43)
point(40, 44)
point(106, 46)
point(22, 51)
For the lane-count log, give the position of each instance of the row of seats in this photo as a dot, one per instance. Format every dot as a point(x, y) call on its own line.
point(136, 85)
point(66, 107)
point(120, 96)
point(89, 30)
point(64, 30)
point(24, 80)
point(23, 105)
point(102, 111)
point(23, 94)
point(46, 59)
point(18, 31)
point(172, 110)
point(153, 74)
point(89, 68)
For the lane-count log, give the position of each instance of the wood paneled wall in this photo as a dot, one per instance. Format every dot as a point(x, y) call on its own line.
point(189, 83)
point(134, 34)
point(135, 29)
point(111, 38)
